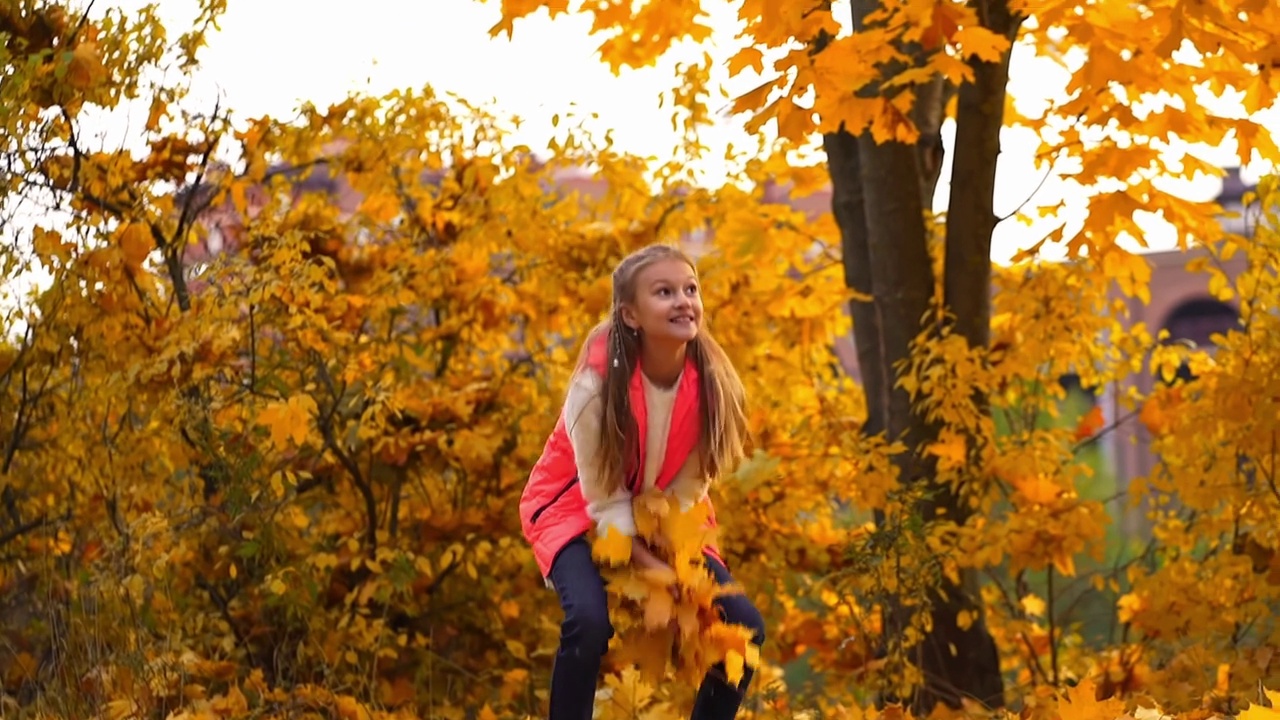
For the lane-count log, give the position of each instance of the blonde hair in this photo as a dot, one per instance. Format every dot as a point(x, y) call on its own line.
point(723, 421)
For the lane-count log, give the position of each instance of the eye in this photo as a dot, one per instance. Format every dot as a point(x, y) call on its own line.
point(664, 291)
point(692, 289)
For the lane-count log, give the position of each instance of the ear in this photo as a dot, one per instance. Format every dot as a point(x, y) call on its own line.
point(629, 316)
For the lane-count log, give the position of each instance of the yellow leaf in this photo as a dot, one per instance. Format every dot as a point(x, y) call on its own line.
point(381, 208)
point(1261, 712)
point(733, 666)
point(630, 693)
point(277, 484)
point(1038, 489)
point(979, 41)
point(351, 709)
point(49, 244)
point(1032, 605)
point(135, 243)
point(121, 709)
point(612, 548)
point(517, 649)
point(1083, 703)
point(289, 421)
point(649, 510)
point(657, 609)
point(1252, 138)
point(1129, 606)
point(951, 450)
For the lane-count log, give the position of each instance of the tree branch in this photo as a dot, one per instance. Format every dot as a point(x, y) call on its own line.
point(349, 463)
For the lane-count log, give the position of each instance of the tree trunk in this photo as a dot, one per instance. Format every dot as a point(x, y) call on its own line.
point(973, 668)
point(879, 195)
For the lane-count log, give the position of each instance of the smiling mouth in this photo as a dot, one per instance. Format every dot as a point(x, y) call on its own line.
point(683, 319)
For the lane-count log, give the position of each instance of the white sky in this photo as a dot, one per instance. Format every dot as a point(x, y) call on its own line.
point(272, 54)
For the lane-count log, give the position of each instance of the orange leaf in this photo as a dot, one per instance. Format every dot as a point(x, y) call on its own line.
point(747, 57)
point(135, 243)
point(985, 44)
point(1083, 703)
point(350, 709)
point(657, 610)
point(1090, 423)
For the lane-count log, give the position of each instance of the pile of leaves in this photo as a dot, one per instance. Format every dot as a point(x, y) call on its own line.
point(666, 619)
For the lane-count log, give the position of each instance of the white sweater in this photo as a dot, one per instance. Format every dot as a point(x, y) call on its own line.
point(583, 409)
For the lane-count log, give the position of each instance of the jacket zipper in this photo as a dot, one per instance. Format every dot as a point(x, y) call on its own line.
point(538, 513)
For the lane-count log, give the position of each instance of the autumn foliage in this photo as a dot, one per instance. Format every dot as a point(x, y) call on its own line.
point(270, 390)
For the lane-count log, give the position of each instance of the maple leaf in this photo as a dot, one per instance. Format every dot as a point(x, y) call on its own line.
point(649, 509)
point(658, 609)
point(1082, 703)
point(1257, 711)
point(980, 42)
point(612, 548)
point(650, 652)
point(747, 57)
point(629, 694)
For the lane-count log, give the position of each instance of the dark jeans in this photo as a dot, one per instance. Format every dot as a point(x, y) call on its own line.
point(585, 633)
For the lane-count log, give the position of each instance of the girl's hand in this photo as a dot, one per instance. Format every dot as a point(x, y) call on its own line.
point(643, 558)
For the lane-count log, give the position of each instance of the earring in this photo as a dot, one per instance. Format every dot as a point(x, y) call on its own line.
point(615, 361)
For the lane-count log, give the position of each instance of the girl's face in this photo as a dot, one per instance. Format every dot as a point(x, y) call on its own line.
point(666, 306)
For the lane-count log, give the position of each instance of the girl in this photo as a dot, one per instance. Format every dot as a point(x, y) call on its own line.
point(654, 402)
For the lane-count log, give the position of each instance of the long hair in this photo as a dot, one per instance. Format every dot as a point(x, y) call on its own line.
point(723, 421)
